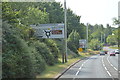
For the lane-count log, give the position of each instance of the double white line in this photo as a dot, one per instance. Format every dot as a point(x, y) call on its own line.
point(106, 68)
point(111, 64)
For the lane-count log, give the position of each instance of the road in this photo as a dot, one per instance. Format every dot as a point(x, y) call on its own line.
point(96, 66)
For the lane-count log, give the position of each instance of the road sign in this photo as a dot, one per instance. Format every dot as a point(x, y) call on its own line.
point(80, 49)
point(82, 43)
point(49, 30)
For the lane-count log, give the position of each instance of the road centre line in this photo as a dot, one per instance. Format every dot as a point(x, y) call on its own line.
point(103, 64)
point(111, 64)
point(115, 68)
point(77, 72)
point(109, 73)
point(80, 67)
point(105, 67)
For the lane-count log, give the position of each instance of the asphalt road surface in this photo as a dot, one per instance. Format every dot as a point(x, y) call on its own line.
point(96, 66)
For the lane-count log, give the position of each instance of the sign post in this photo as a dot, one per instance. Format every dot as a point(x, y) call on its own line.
point(82, 44)
point(51, 31)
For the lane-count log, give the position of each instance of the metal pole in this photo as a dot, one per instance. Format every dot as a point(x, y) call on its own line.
point(65, 12)
point(87, 37)
point(119, 25)
point(101, 37)
point(104, 38)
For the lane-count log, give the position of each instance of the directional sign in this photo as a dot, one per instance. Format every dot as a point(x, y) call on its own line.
point(80, 49)
point(49, 30)
point(82, 43)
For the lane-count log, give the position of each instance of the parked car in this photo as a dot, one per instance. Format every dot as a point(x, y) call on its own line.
point(117, 51)
point(102, 53)
point(112, 53)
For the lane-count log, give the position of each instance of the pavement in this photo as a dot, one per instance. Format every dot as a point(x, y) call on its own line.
point(95, 67)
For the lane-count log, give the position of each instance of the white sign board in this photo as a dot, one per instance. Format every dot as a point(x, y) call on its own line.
point(49, 30)
point(82, 43)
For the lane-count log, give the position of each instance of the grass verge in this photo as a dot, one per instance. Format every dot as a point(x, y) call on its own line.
point(53, 71)
point(114, 47)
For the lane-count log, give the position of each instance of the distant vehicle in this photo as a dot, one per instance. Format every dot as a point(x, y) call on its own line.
point(117, 51)
point(112, 53)
point(102, 53)
point(106, 52)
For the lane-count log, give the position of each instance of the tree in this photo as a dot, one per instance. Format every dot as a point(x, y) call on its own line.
point(73, 41)
point(95, 44)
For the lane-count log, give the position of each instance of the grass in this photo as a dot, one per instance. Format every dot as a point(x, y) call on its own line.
point(114, 47)
point(53, 71)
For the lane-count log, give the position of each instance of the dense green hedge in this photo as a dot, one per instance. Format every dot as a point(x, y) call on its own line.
point(44, 51)
point(19, 60)
point(53, 48)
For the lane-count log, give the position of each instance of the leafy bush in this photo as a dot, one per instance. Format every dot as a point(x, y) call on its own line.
point(53, 48)
point(73, 41)
point(44, 51)
point(95, 44)
point(19, 60)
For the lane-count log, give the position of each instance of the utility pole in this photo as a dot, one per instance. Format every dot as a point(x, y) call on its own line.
point(65, 16)
point(104, 38)
point(119, 24)
point(87, 37)
point(101, 37)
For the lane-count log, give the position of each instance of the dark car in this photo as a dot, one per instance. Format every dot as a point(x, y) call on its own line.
point(106, 52)
point(102, 53)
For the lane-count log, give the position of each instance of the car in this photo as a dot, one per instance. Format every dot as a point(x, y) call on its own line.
point(102, 53)
point(117, 51)
point(112, 53)
point(106, 52)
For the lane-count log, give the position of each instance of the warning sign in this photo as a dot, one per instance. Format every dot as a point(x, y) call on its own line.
point(80, 49)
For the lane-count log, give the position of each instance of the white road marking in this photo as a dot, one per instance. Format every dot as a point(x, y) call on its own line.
point(105, 67)
point(80, 68)
point(111, 64)
point(115, 68)
point(77, 73)
point(109, 73)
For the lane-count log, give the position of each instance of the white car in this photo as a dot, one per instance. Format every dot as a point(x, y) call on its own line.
point(117, 51)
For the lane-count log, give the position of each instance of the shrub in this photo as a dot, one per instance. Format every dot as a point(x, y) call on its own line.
point(19, 60)
point(53, 48)
point(44, 51)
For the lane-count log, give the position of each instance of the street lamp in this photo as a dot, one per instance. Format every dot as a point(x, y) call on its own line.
point(65, 21)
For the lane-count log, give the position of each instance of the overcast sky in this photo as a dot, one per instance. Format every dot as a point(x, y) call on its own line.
point(94, 11)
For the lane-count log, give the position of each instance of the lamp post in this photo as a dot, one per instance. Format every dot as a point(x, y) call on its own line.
point(65, 21)
point(87, 37)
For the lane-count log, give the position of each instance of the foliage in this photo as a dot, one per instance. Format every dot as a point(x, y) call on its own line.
point(53, 48)
point(17, 60)
point(73, 41)
point(23, 55)
point(44, 51)
point(95, 44)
